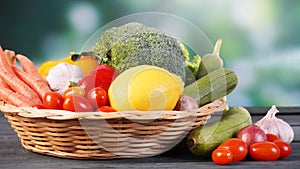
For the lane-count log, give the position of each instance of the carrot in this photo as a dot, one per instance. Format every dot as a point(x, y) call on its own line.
point(28, 67)
point(3, 84)
point(10, 56)
point(17, 85)
point(35, 83)
point(3, 61)
point(10, 97)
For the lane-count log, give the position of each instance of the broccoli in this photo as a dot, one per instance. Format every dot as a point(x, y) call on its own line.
point(193, 64)
point(135, 44)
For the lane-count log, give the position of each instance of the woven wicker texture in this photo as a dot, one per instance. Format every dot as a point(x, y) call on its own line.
point(96, 135)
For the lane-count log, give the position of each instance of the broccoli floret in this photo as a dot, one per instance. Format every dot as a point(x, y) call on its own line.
point(135, 44)
point(193, 64)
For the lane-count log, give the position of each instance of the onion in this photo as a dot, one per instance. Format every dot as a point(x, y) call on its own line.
point(59, 76)
point(186, 102)
point(252, 134)
point(273, 125)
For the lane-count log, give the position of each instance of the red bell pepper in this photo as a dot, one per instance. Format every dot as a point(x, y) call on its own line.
point(102, 76)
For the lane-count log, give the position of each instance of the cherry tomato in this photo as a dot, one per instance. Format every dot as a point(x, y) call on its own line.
point(53, 100)
point(39, 106)
point(98, 97)
point(106, 109)
point(237, 147)
point(285, 148)
point(264, 151)
point(272, 137)
point(222, 156)
point(77, 103)
point(73, 90)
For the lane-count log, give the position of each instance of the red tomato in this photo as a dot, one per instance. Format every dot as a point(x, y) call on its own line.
point(98, 97)
point(272, 137)
point(285, 148)
point(77, 103)
point(39, 106)
point(237, 147)
point(221, 156)
point(53, 100)
point(264, 151)
point(106, 109)
point(73, 90)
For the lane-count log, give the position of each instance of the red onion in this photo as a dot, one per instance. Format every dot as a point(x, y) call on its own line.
point(186, 102)
point(252, 134)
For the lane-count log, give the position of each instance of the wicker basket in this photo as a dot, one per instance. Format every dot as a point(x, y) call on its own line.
point(96, 135)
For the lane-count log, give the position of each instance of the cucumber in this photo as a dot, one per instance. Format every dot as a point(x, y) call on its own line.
point(212, 86)
point(204, 139)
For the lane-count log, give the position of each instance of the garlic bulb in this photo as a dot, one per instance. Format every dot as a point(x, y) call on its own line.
point(62, 74)
point(271, 124)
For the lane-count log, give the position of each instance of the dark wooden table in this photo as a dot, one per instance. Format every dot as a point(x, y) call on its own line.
point(14, 156)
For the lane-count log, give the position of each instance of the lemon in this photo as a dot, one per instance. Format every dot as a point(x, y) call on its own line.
point(145, 88)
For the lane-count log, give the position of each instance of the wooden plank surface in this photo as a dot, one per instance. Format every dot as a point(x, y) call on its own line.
point(288, 114)
point(14, 156)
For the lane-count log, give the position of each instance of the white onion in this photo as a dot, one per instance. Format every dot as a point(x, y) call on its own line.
point(273, 125)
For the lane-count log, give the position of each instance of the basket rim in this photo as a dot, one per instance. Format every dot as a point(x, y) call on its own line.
point(51, 114)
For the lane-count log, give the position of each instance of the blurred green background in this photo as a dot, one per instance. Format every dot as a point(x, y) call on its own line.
point(261, 38)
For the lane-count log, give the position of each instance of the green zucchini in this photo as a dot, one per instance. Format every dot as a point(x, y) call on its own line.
point(212, 86)
point(204, 139)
